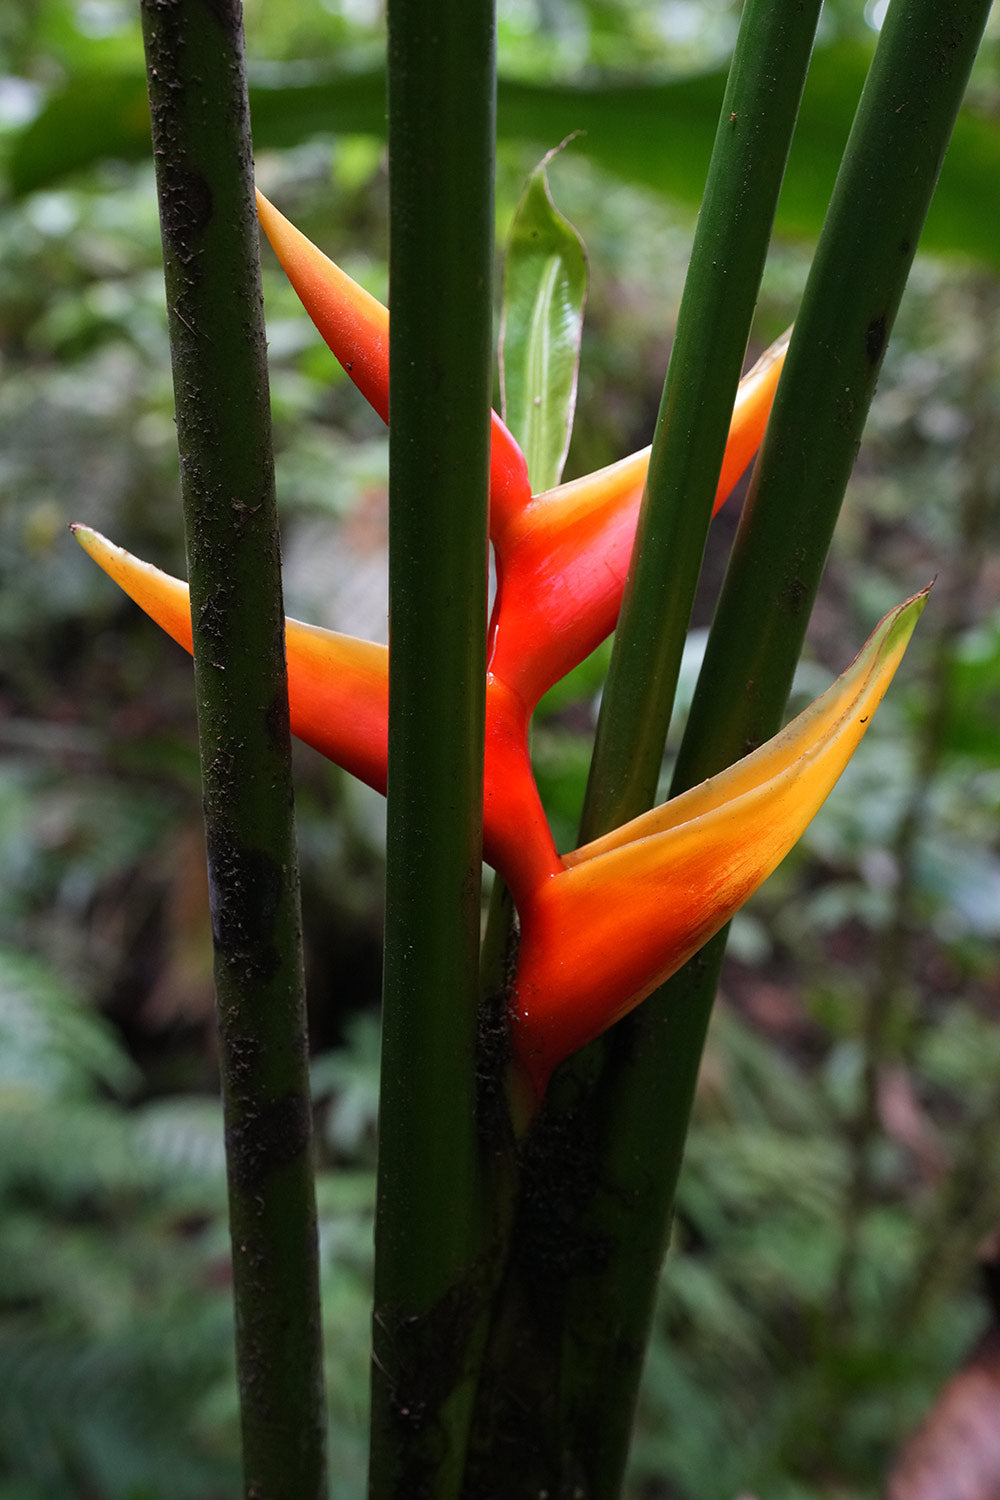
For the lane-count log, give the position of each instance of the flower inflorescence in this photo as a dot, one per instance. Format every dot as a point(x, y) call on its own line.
point(602, 927)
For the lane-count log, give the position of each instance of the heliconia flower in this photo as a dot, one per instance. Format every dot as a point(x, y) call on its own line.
point(604, 926)
point(561, 556)
point(561, 561)
point(629, 909)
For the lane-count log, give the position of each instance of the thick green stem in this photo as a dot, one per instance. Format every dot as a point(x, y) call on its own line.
point(201, 141)
point(883, 189)
point(713, 325)
point(886, 180)
point(890, 166)
point(433, 1226)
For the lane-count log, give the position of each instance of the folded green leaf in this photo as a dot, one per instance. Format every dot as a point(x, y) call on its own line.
point(545, 289)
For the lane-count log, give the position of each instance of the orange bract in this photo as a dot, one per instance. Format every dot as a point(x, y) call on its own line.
point(629, 909)
point(562, 556)
point(603, 927)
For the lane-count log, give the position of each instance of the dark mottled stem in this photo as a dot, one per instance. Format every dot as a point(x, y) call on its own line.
point(201, 142)
point(434, 1231)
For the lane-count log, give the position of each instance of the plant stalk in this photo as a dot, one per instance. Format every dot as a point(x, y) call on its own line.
point(887, 177)
point(201, 142)
point(886, 181)
point(434, 1229)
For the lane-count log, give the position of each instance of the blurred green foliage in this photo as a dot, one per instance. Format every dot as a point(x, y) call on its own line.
point(841, 1172)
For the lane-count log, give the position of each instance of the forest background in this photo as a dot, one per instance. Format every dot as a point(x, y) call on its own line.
point(841, 1182)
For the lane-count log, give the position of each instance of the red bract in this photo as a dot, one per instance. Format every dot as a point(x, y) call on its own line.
point(603, 927)
point(561, 556)
point(561, 561)
point(355, 326)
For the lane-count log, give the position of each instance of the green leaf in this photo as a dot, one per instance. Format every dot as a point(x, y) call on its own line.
point(973, 700)
point(50, 1041)
point(657, 135)
point(545, 288)
point(93, 117)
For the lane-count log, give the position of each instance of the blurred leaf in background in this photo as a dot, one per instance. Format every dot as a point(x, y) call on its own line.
point(841, 1173)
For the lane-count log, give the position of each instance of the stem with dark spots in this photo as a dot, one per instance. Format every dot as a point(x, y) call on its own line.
point(201, 142)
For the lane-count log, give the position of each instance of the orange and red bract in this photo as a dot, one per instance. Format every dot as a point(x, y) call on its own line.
point(602, 927)
point(630, 908)
point(355, 326)
point(561, 556)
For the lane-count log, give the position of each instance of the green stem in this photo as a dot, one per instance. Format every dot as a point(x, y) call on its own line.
point(201, 143)
point(888, 1005)
point(720, 293)
point(572, 1323)
point(434, 1245)
point(886, 180)
point(891, 163)
point(885, 183)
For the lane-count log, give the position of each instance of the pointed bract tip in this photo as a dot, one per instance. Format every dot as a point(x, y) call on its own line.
point(92, 542)
point(627, 910)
